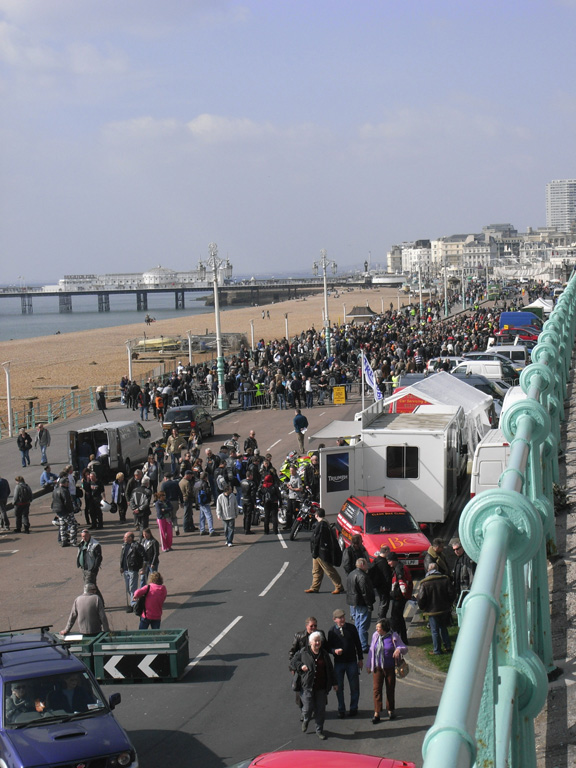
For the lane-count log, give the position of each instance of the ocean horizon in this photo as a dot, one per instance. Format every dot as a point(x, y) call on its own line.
point(46, 320)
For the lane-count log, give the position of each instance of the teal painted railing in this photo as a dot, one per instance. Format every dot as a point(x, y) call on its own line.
point(498, 677)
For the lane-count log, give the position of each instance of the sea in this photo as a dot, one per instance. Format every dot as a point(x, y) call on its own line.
point(46, 320)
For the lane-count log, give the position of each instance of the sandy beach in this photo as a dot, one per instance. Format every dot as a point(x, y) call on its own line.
point(42, 367)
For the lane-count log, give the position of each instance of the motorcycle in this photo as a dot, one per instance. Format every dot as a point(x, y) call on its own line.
point(305, 516)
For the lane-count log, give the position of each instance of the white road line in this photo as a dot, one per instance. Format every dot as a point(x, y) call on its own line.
point(9, 551)
point(274, 580)
point(273, 444)
point(214, 642)
point(292, 432)
point(282, 542)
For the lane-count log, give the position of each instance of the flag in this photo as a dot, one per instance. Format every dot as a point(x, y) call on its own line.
point(370, 379)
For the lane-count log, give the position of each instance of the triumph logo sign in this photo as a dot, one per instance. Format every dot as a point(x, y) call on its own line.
point(337, 472)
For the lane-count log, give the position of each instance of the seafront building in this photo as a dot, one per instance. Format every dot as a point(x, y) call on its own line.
point(561, 205)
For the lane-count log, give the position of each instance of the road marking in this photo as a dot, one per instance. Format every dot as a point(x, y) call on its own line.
point(273, 444)
point(110, 667)
point(275, 579)
point(145, 665)
point(281, 540)
point(214, 642)
point(9, 551)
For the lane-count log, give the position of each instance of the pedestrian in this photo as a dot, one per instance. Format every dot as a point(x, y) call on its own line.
point(95, 497)
point(300, 423)
point(118, 495)
point(295, 487)
point(316, 671)
point(89, 559)
point(323, 546)
point(4, 494)
point(140, 505)
point(201, 491)
point(251, 442)
point(463, 571)
point(189, 501)
point(312, 477)
point(344, 644)
point(154, 596)
point(42, 439)
point(435, 597)
point(175, 444)
point(174, 496)
point(88, 609)
point(48, 479)
point(227, 511)
point(386, 649)
point(151, 470)
point(63, 507)
point(400, 593)
point(248, 490)
point(381, 577)
point(360, 597)
point(131, 566)
point(354, 552)
point(435, 555)
point(22, 499)
point(24, 443)
point(270, 496)
point(151, 548)
point(164, 519)
point(302, 640)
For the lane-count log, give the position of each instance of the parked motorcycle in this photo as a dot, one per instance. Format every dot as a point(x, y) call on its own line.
point(305, 516)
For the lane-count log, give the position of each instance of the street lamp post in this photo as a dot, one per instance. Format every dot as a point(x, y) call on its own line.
point(323, 264)
point(6, 367)
point(214, 263)
point(252, 334)
point(129, 350)
point(286, 324)
point(189, 334)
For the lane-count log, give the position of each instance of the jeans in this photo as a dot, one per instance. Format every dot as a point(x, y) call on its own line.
point(205, 520)
point(25, 457)
point(439, 629)
point(361, 615)
point(144, 412)
point(309, 399)
point(152, 623)
point(350, 670)
point(229, 526)
point(144, 576)
point(131, 581)
point(188, 519)
point(43, 457)
point(281, 401)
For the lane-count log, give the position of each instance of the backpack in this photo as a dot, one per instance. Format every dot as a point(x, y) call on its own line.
point(25, 494)
point(203, 496)
point(221, 482)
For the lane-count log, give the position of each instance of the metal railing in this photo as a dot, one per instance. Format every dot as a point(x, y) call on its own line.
point(498, 677)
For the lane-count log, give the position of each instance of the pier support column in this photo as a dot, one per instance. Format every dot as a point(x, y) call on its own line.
point(26, 302)
point(103, 302)
point(179, 300)
point(141, 301)
point(64, 303)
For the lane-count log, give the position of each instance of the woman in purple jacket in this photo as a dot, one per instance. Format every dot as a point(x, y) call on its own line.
point(386, 647)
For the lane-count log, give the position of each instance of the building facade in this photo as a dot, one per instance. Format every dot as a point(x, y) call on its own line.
point(561, 204)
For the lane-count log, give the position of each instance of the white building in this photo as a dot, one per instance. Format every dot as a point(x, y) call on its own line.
point(561, 204)
point(158, 277)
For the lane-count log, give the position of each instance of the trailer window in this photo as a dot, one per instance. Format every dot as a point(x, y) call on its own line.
point(402, 461)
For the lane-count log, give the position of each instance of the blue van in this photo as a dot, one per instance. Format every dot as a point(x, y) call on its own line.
point(53, 710)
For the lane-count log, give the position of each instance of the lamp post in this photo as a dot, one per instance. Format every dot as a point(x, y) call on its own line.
point(286, 324)
point(6, 367)
point(214, 263)
point(252, 334)
point(129, 350)
point(189, 334)
point(323, 264)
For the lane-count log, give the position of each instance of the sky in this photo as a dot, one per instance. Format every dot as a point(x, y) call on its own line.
point(135, 132)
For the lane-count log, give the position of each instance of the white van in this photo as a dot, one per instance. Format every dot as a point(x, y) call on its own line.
point(492, 369)
point(490, 460)
point(127, 445)
point(518, 354)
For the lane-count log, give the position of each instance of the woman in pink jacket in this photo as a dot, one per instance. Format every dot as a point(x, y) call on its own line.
point(155, 592)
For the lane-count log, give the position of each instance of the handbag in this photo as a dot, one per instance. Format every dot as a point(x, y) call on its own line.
point(402, 667)
point(296, 682)
point(140, 604)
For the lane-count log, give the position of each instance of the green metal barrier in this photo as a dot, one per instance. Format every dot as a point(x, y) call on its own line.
point(150, 655)
point(498, 678)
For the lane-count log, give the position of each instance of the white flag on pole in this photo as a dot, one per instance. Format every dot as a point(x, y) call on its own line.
point(370, 379)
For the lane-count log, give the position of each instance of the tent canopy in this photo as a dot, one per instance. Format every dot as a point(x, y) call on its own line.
point(337, 429)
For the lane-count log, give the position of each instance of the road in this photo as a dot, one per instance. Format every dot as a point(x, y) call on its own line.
point(236, 700)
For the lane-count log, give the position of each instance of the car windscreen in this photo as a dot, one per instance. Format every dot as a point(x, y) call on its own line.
point(51, 698)
point(179, 414)
point(390, 522)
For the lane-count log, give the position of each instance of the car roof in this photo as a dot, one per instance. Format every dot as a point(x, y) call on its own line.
point(34, 655)
point(107, 425)
point(313, 758)
point(377, 504)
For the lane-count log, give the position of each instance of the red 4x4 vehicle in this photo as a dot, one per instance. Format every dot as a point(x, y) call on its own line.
point(381, 520)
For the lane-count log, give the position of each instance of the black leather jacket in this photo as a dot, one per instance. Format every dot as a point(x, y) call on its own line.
point(306, 658)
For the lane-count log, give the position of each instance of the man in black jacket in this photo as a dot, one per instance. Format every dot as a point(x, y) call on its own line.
point(322, 546)
point(435, 598)
point(131, 564)
point(381, 577)
point(344, 644)
point(360, 597)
